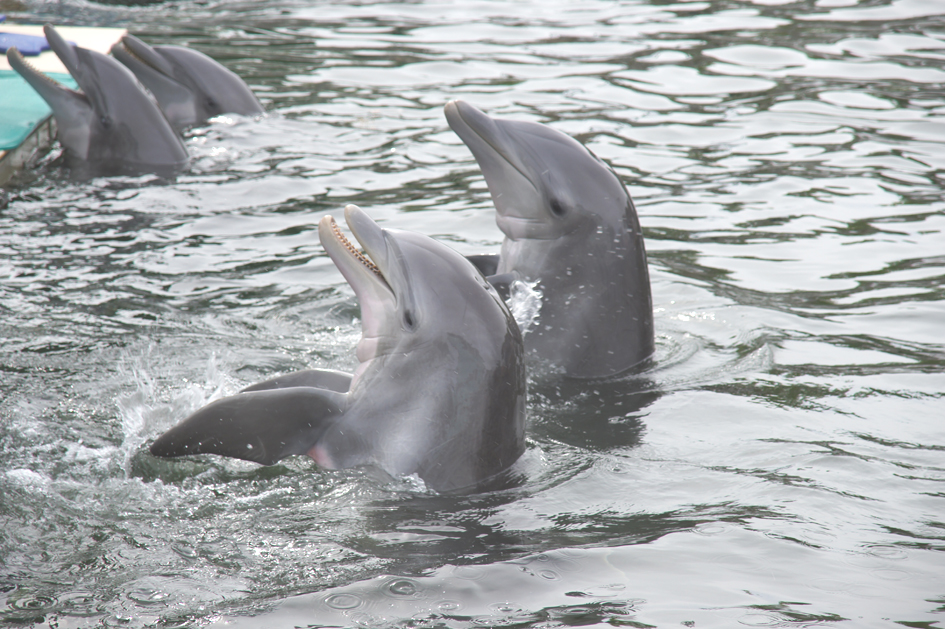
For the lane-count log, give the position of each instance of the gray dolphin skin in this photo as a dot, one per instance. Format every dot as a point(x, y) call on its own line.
point(439, 392)
point(112, 126)
point(190, 86)
point(571, 226)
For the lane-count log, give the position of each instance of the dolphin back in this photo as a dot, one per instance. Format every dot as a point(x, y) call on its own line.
point(260, 426)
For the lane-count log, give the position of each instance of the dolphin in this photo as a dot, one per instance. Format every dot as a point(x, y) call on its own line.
point(190, 86)
point(569, 225)
point(439, 391)
point(112, 126)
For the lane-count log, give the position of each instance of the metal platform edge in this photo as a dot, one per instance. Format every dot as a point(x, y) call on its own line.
point(35, 145)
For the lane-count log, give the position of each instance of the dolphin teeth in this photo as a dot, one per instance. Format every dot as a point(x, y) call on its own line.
point(363, 259)
point(29, 65)
point(131, 52)
point(128, 50)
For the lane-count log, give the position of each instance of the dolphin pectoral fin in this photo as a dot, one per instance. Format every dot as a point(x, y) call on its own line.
point(487, 263)
point(260, 426)
point(502, 283)
point(319, 378)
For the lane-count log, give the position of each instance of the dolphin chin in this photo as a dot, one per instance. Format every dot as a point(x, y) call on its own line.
point(571, 226)
point(439, 392)
point(112, 126)
point(190, 86)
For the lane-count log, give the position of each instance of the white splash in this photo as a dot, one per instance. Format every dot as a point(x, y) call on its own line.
point(525, 304)
point(27, 478)
point(143, 416)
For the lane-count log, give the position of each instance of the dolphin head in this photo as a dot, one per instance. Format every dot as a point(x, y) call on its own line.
point(413, 290)
point(440, 389)
point(190, 86)
point(112, 121)
point(544, 184)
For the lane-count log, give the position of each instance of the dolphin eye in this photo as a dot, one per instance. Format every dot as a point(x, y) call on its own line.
point(106, 121)
point(409, 322)
point(556, 208)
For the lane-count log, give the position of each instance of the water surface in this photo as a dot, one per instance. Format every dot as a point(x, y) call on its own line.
point(781, 464)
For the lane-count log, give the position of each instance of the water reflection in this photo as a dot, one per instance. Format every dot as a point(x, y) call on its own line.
point(596, 416)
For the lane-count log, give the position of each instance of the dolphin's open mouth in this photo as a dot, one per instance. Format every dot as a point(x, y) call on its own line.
point(142, 53)
point(358, 255)
point(358, 268)
point(14, 54)
point(365, 273)
point(49, 88)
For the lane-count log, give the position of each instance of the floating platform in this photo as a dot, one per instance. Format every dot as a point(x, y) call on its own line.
point(27, 128)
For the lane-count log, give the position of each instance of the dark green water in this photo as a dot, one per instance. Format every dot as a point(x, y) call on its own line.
point(781, 465)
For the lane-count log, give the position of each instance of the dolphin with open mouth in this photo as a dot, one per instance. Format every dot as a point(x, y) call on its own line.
point(439, 392)
point(113, 126)
point(569, 225)
point(190, 86)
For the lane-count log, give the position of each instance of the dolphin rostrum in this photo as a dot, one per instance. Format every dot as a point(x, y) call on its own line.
point(113, 126)
point(571, 226)
point(190, 86)
point(439, 392)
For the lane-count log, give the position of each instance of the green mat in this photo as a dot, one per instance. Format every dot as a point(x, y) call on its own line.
point(21, 108)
